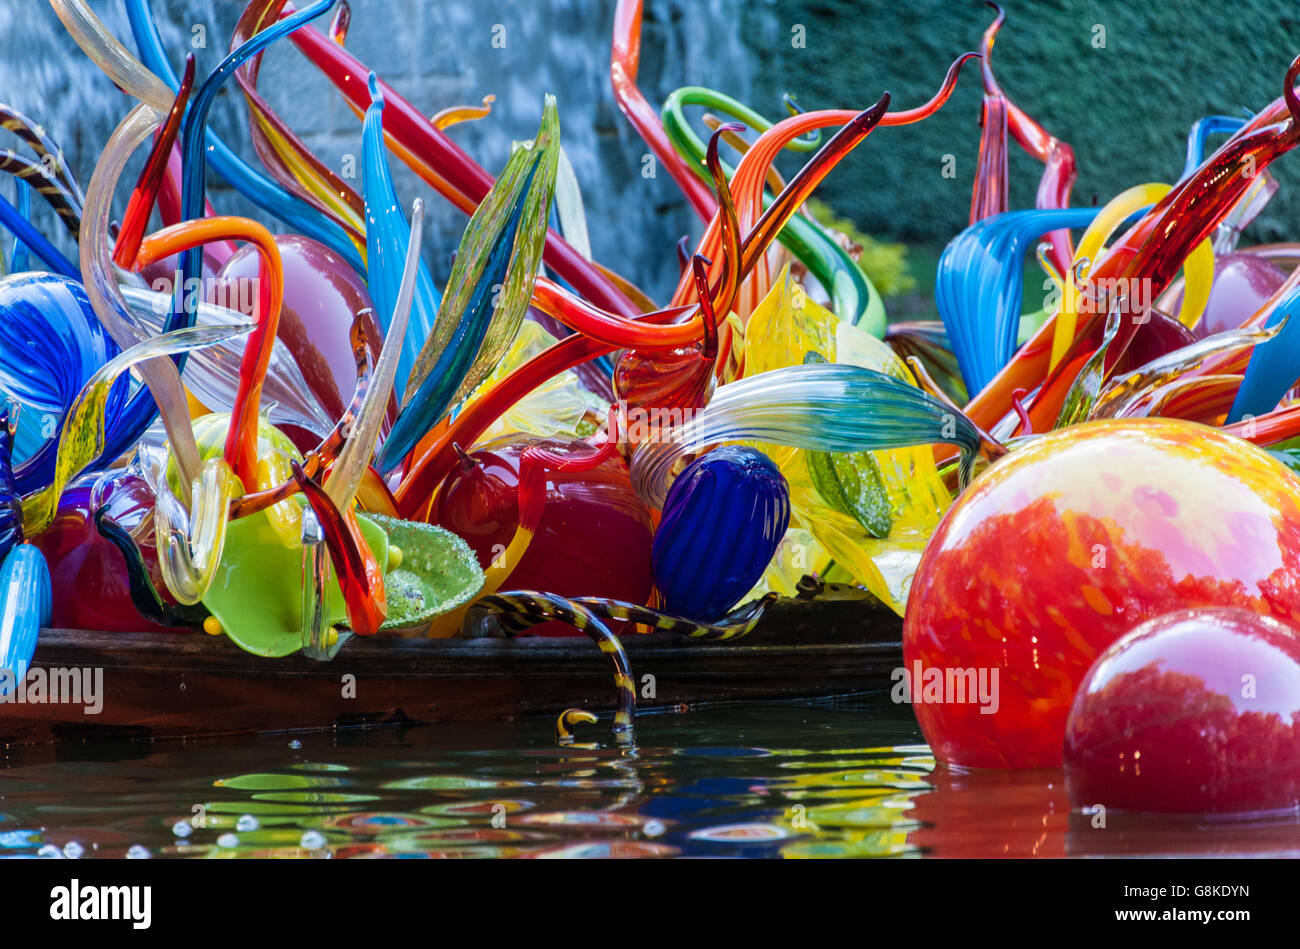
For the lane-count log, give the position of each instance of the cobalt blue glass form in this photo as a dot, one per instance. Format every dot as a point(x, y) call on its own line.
point(723, 519)
point(51, 343)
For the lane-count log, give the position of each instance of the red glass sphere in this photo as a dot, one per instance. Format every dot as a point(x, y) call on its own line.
point(594, 537)
point(1196, 712)
point(87, 573)
point(1065, 545)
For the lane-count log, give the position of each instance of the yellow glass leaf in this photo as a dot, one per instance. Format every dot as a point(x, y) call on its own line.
point(799, 553)
point(785, 328)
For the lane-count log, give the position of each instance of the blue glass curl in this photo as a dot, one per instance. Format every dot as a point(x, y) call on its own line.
point(980, 284)
point(1202, 130)
point(1274, 365)
point(388, 235)
point(26, 602)
point(244, 178)
point(17, 224)
point(51, 343)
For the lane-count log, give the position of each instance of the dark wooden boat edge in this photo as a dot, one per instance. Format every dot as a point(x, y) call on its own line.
point(158, 686)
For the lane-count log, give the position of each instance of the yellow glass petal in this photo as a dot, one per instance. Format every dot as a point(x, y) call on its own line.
point(787, 326)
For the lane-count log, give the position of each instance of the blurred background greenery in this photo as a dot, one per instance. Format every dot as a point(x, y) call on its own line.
point(1126, 108)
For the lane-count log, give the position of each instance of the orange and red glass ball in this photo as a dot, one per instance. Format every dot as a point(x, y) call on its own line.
point(1065, 545)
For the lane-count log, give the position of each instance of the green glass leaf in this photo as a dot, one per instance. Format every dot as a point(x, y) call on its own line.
point(488, 291)
point(268, 781)
point(438, 573)
point(851, 483)
point(1288, 456)
point(256, 593)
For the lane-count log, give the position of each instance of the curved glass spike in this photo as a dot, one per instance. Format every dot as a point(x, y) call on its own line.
point(488, 291)
point(387, 238)
point(355, 457)
point(241, 176)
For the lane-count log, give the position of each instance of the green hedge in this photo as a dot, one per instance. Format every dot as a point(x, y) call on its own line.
point(1126, 109)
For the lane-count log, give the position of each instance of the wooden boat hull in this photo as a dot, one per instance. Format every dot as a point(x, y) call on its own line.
point(160, 686)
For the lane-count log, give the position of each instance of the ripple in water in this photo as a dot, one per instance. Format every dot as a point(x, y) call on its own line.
point(846, 780)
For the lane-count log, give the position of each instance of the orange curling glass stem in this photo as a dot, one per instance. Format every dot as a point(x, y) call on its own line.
point(709, 351)
point(241, 440)
point(748, 181)
point(618, 332)
point(454, 115)
point(724, 295)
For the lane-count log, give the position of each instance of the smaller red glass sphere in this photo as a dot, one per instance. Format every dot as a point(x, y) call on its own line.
point(1196, 712)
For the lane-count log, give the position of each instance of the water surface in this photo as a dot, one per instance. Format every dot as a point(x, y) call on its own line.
point(848, 778)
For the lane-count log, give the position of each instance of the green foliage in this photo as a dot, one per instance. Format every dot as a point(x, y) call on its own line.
point(1125, 109)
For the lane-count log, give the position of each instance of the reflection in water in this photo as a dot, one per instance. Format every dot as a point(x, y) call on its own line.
point(838, 780)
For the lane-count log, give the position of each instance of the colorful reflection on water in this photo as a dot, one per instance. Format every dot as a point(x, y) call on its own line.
point(847, 779)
